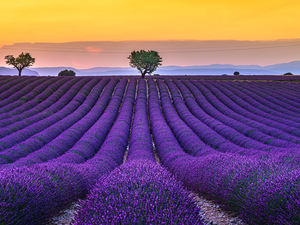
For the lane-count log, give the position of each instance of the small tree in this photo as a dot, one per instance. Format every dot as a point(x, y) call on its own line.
point(236, 73)
point(66, 73)
point(145, 61)
point(288, 74)
point(21, 62)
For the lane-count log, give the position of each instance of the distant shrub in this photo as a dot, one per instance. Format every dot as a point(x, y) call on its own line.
point(66, 73)
point(236, 73)
point(224, 74)
point(288, 74)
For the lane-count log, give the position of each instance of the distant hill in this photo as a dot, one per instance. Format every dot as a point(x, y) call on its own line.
point(12, 71)
point(104, 69)
point(53, 71)
point(213, 69)
point(293, 67)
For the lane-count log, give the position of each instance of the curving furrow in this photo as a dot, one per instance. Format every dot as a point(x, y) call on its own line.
point(212, 117)
point(6, 79)
point(88, 145)
point(239, 119)
point(164, 139)
point(140, 145)
point(185, 136)
point(112, 151)
point(11, 84)
point(247, 97)
point(69, 137)
point(43, 101)
point(286, 96)
point(270, 102)
point(15, 88)
point(227, 116)
point(35, 136)
point(28, 89)
point(200, 122)
point(258, 111)
point(291, 87)
point(35, 91)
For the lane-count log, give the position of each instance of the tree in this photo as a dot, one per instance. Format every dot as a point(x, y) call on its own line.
point(145, 61)
point(288, 74)
point(66, 73)
point(22, 61)
point(236, 73)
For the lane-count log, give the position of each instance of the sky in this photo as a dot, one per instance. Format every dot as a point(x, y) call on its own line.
point(57, 21)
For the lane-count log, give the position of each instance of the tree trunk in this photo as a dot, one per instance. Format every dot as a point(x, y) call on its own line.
point(143, 74)
point(20, 72)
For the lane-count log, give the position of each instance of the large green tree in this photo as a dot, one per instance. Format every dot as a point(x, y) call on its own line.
point(145, 61)
point(22, 61)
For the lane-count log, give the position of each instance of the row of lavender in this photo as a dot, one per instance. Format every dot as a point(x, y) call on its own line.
point(231, 77)
point(94, 143)
point(215, 106)
point(263, 187)
point(219, 77)
point(33, 194)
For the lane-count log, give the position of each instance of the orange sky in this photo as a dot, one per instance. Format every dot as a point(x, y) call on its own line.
point(114, 20)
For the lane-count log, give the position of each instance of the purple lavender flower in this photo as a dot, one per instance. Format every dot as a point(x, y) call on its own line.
point(139, 192)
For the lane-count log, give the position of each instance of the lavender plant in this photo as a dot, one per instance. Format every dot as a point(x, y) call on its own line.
point(185, 136)
point(257, 112)
point(47, 100)
point(32, 195)
point(42, 135)
point(140, 145)
point(231, 117)
point(23, 93)
point(139, 192)
point(68, 138)
point(272, 102)
point(12, 87)
point(88, 145)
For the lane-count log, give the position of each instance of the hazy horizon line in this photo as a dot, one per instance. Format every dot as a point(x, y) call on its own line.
point(159, 67)
point(157, 40)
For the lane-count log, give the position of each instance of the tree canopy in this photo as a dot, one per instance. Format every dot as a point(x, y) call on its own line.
point(66, 73)
point(22, 61)
point(145, 61)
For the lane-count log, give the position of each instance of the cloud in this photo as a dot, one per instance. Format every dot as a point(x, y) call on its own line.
point(96, 50)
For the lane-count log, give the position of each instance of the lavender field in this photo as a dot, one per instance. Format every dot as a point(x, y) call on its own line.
point(236, 142)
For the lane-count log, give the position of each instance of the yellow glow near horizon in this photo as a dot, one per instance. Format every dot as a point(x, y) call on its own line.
point(66, 21)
